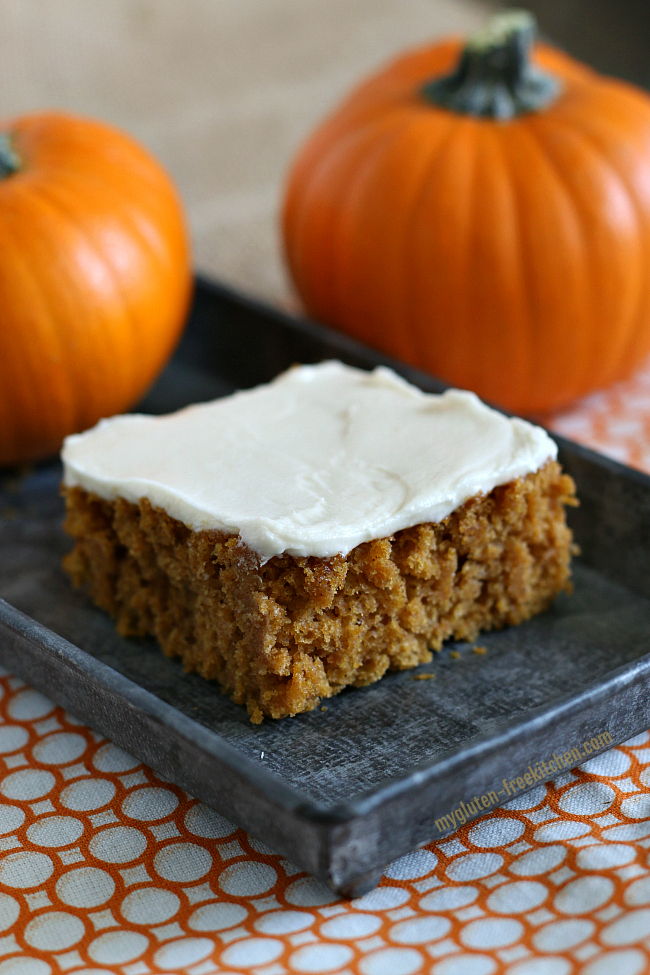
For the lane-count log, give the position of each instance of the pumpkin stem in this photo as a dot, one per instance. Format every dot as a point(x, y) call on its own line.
point(494, 77)
point(9, 159)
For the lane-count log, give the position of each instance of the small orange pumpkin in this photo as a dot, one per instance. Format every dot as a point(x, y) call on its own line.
point(94, 277)
point(483, 217)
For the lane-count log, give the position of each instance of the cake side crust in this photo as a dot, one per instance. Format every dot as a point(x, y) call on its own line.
point(282, 636)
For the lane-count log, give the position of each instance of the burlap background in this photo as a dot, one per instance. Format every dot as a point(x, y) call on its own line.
point(222, 91)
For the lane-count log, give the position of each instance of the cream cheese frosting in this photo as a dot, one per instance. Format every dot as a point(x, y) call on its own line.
point(312, 464)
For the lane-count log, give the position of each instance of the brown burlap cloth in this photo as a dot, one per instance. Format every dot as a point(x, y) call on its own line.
point(222, 91)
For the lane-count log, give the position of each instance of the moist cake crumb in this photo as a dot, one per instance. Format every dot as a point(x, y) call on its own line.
point(281, 635)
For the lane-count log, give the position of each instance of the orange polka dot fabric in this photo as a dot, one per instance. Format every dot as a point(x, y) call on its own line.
point(615, 421)
point(105, 867)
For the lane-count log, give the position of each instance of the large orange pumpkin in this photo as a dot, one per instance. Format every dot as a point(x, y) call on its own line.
point(483, 217)
point(94, 277)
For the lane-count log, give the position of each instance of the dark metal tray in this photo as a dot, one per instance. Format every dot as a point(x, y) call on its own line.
point(343, 791)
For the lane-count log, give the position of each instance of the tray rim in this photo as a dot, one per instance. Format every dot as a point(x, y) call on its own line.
point(286, 795)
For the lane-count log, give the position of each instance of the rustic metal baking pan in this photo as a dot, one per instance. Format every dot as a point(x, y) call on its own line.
point(343, 790)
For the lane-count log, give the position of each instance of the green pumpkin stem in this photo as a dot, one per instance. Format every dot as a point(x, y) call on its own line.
point(9, 159)
point(494, 77)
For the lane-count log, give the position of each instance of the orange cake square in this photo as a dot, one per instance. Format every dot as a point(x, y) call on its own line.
point(318, 531)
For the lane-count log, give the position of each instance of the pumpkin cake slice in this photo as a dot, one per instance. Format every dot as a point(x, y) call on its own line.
point(313, 533)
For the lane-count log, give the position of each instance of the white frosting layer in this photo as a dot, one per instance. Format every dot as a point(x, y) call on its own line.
point(321, 459)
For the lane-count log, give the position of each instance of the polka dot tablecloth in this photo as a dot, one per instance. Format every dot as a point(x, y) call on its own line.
point(105, 867)
point(615, 422)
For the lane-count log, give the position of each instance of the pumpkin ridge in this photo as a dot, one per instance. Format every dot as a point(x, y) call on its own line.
point(377, 114)
point(125, 154)
point(297, 213)
point(629, 356)
point(16, 403)
point(388, 201)
point(41, 193)
point(445, 313)
point(301, 256)
point(610, 365)
point(343, 267)
point(576, 381)
point(408, 293)
point(412, 297)
point(113, 353)
point(618, 370)
point(517, 342)
point(468, 256)
point(159, 257)
point(98, 182)
point(297, 218)
point(357, 146)
point(42, 407)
